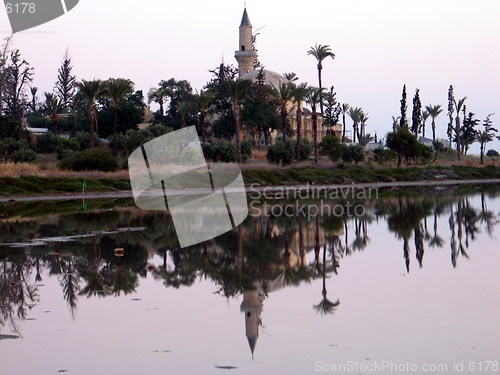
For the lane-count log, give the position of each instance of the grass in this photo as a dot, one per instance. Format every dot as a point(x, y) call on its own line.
point(22, 179)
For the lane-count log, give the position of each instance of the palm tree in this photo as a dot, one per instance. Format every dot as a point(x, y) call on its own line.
point(321, 52)
point(117, 89)
point(183, 108)
point(158, 95)
point(354, 115)
point(292, 77)
point(425, 116)
point(434, 111)
point(299, 94)
point(33, 91)
point(363, 118)
point(203, 100)
point(313, 97)
point(395, 123)
point(53, 108)
point(235, 90)
point(284, 93)
point(458, 106)
point(91, 90)
point(345, 109)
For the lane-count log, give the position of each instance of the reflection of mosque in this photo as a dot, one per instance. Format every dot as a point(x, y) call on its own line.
point(308, 239)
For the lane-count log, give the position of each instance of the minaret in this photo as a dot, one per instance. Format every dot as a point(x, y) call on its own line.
point(252, 307)
point(246, 55)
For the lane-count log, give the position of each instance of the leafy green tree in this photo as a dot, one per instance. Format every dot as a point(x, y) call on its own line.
point(260, 110)
point(487, 135)
point(65, 87)
point(492, 153)
point(91, 90)
point(331, 146)
point(117, 89)
point(180, 91)
point(130, 114)
point(313, 97)
point(353, 153)
point(183, 110)
point(403, 143)
point(403, 121)
point(434, 111)
point(15, 77)
point(468, 132)
point(320, 53)
point(332, 110)
point(416, 116)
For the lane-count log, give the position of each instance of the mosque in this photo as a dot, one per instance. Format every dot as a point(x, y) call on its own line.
point(247, 55)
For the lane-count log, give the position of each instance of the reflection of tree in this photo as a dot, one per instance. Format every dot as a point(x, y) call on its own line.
point(325, 306)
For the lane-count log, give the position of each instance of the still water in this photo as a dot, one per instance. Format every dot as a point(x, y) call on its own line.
point(408, 284)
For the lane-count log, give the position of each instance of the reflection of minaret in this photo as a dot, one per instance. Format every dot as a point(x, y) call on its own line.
point(252, 307)
point(246, 55)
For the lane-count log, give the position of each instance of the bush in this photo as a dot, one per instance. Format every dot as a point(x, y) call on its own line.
point(23, 155)
point(94, 159)
point(281, 152)
point(332, 147)
point(46, 143)
point(223, 151)
point(492, 153)
point(353, 153)
point(285, 154)
point(246, 150)
point(83, 141)
point(66, 147)
point(11, 145)
point(382, 155)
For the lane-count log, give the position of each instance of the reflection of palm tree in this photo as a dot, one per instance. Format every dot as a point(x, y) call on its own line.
point(325, 306)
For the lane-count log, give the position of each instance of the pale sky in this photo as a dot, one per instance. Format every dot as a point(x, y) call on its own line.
point(379, 46)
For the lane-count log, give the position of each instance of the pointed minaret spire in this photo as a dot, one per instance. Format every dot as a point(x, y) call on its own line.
point(245, 20)
point(246, 54)
point(252, 307)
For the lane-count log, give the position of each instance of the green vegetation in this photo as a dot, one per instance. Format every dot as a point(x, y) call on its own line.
point(91, 160)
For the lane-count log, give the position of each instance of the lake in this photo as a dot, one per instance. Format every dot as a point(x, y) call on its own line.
point(406, 281)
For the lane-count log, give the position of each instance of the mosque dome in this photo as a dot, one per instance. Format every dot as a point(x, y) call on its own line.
point(271, 78)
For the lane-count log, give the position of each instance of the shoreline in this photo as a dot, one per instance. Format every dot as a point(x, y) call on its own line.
point(251, 189)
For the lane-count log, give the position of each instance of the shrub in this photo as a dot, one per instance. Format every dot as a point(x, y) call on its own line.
point(382, 155)
point(353, 153)
point(83, 140)
point(94, 159)
point(492, 153)
point(46, 143)
point(65, 147)
point(246, 150)
point(11, 145)
point(332, 147)
point(284, 153)
point(223, 151)
point(23, 155)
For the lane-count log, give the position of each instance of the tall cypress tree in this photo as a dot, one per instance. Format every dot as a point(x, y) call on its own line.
point(416, 116)
point(65, 85)
point(451, 109)
point(403, 122)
